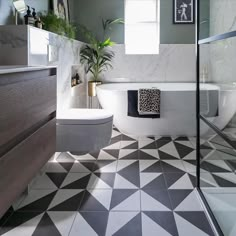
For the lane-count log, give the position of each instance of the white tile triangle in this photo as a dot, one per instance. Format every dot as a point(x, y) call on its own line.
point(72, 177)
point(124, 144)
point(103, 196)
point(125, 152)
point(62, 195)
point(54, 167)
point(148, 203)
point(170, 149)
point(177, 164)
point(143, 143)
point(35, 195)
point(144, 164)
point(110, 168)
point(191, 156)
point(117, 220)
point(115, 133)
point(114, 146)
point(185, 143)
point(219, 163)
point(96, 182)
point(227, 176)
point(63, 221)
point(132, 203)
point(208, 178)
point(105, 156)
point(81, 227)
point(151, 228)
point(26, 229)
point(183, 183)
point(185, 228)
point(190, 203)
point(124, 163)
point(78, 167)
point(151, 152)
point(122, 183)
point(146, 178)
point(43, 182)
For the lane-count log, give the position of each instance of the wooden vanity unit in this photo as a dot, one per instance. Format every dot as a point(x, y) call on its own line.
point(27, 127)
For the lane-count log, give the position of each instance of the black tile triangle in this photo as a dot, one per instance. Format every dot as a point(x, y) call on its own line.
point(112, 152)
point(213, 168)
point(95, 154)
point(166, 156)
point(150, 146)
point(183, 138)
point(46, 227)
point(17, 219)
point(39, 205)
point(131, 156)
point(169, 168)
point(172, 178)
point(198, 219)
point(90, 203)
point(57, 178)
point(119, 195)
point(71, 204)
point(127, 138)
point(131, 173)
point(108, 178)
point(158, 184)
point(88, 164)
point(97, 220)
point(117, 138)
point(145, 156)
point(178, 195)
point(66, 165)
point(161, 142)
point(193, 180)
point(165, 219)
point(151, 137)
point(183, 150)
point(78, 184)
point(102, 163)
point(6, 216)
point(133, 227)
point(132, 146)
point(223, 182)
point(155, 168)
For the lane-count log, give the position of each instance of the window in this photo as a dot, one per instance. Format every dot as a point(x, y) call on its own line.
point(142, 26)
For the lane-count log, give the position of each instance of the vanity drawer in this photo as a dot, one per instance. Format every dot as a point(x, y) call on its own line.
point(22, 163)
point(25, 100)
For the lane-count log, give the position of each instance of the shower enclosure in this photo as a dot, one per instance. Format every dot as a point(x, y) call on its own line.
point(216, 111)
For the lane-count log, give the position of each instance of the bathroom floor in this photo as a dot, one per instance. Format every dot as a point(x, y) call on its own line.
point(135, 186)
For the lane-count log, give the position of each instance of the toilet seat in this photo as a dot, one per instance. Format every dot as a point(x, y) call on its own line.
point(84, 117)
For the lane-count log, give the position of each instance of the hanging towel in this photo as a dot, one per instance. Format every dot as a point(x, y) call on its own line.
point(133, 106)
point(149, 101)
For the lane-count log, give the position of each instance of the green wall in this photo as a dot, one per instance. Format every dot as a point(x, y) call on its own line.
point(91, 12)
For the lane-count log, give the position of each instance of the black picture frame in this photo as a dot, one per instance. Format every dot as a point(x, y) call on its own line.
point(183, 11)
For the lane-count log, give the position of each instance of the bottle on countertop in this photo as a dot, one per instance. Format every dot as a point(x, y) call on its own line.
point(29, 19)
point(34, 13)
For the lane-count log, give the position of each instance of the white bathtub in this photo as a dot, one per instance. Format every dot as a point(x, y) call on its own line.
point(178, 108)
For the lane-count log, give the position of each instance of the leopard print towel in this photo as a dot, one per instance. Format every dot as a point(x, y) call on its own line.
point(149, 101)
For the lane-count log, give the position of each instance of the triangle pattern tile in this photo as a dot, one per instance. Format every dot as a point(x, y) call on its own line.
point(131, 146)
point(131, 203)
point(151, 228)
point(211, 167)
point(46, 227)
point(66, 165)
point(146, 178)
point(21, 224)
point(165, 220)
point(105, 166)
point(65, 157)
point(182, 138)
point(108, 178)
point(120, 195)
point(76, 181)
point(80, 167)
point(114, 153)
point(70, 204)
point(118, 220)
point(126, 152)
point(147, 144)
point(150, 146)
point(144, 164)
point(57, 178)
point(154, 168)
point(133, 227)
point(223, 182)
point(182, 181)
point(86, 157)
point(124, 163)
point(162, 142)
point(178, 196)
point(219, 163)
point(172, 166)
point(63, 195)
point(183, 150)
point(96, 200)
point(105, 155)
point(197, 219)
point(95, 154)
point(113, 145)
point(158, 183)
point(62, 221)
point(122, 183)
point(43, 182)
point(39, 205)
point(98, 183)
point(166, 156)
point(170, 149)
point(208, 179)
point(131, 173)
point(127, 138)
point(148, 154)
point(128, 145)
point(191, 156)
point(54, 167)
point(131, 154)
point(152, 200)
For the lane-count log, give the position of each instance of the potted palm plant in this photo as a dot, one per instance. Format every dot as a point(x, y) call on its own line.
point(97, 55)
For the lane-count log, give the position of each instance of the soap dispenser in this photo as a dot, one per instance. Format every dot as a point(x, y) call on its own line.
point(34, 14)
point(29, 19)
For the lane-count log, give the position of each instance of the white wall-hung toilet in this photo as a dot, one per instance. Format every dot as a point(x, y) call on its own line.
point(81, 131)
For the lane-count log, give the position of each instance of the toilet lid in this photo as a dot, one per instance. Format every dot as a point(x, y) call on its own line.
point(84, 117)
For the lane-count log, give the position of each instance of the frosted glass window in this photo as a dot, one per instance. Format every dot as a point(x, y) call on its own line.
point(142, 28)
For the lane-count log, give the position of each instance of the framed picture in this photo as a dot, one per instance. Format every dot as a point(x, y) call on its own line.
point(184, 12)
point(61, 9)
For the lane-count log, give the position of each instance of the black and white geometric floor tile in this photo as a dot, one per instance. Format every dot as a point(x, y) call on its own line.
point(135, 186)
